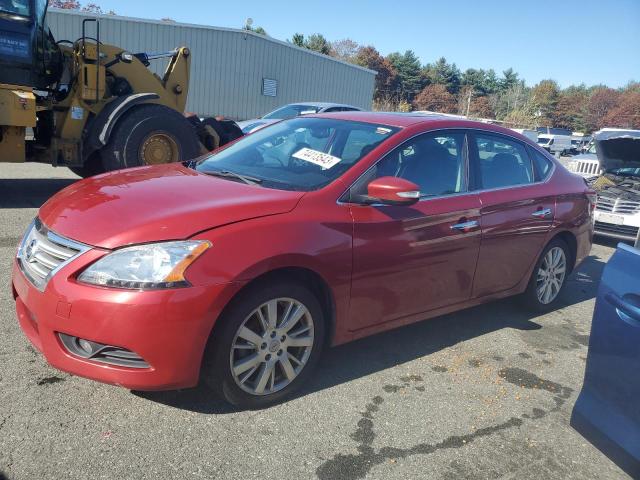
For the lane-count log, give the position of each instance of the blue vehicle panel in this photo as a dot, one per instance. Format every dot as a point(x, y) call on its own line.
point(607, 411)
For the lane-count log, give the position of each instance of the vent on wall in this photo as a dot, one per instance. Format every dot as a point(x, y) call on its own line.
point(269, 87)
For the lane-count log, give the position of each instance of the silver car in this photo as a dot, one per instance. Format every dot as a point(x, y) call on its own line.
point(293, 110)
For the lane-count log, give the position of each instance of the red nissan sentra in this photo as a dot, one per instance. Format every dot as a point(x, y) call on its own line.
point(239, 268)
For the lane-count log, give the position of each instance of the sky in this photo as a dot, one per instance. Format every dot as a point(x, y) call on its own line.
point(570, 41)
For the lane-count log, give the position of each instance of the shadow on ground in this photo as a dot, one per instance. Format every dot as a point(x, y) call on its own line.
point(30, 192)
point(379, 352)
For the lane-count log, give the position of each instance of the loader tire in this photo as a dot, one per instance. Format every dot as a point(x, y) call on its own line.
point(92, 166)
point(149, 135)
point(216, 133)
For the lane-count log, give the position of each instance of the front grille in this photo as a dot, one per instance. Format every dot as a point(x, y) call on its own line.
point(625, 231)
point(42, 253)
point(617, 205)
point(589, 168)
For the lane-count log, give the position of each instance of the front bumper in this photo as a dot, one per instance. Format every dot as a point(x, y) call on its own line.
point(626, 231)
point(169, 329)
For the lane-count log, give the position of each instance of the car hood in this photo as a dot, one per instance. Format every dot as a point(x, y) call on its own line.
point(152, 204)
point(585, 157)
point(617, 149)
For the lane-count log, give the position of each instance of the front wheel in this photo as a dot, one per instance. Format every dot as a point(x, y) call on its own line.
point(150, 134)
point(548, 277)
point(267, 345)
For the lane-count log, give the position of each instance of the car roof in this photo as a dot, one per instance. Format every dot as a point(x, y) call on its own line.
point(403, 120)
point(320, 104)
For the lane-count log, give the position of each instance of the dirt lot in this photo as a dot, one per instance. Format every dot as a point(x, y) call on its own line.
point(484, 393)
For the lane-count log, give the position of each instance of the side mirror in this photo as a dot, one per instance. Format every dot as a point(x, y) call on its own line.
point(393, 191)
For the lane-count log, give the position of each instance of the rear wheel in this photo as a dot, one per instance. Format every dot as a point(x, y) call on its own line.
point(548, 277)
point(93, 166)
point(267, 345)
point(150, 135)
point(217, 133)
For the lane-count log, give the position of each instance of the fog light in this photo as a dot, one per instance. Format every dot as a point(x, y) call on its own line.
point(85, 346)
point(100, 352)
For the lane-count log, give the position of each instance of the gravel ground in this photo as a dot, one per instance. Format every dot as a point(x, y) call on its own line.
point(483, 393)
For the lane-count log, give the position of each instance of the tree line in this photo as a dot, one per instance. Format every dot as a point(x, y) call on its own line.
point(404, 84)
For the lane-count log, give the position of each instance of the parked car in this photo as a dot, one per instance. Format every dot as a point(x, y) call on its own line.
point(586, 164)
point(579, 143)
point(530, 134)
point(607, 411)
point(293, 110)
point(555, 144)
point(617, 212)
point(240, 267)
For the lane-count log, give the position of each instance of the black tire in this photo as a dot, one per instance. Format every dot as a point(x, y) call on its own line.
point(216, 368)
point(93, 166)
point(226, 130)
point(124, 149)
point(530, 297)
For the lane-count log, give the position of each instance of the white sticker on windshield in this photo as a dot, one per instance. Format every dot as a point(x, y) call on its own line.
point(321, 159)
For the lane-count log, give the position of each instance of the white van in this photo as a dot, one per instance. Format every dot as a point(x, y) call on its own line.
point(555, 144)
point(530, 134)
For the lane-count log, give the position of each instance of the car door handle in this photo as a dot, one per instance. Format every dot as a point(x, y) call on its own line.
point(542, 213)
point(626, 311)
point(466, 226)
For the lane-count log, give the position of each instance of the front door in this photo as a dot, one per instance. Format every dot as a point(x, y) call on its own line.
point(412, 259)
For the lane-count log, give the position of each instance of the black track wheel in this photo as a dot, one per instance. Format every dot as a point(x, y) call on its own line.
point(148, 135)
point(266, 345)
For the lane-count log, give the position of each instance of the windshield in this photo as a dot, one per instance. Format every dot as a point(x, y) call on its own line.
point(626, 172)
point(543, 141)
point(15, 7)
point(290, 111)
point(592, 148)
point(298, 154)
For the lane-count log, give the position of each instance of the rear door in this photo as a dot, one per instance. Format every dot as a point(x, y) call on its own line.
point(516, 212)
point(607, 411)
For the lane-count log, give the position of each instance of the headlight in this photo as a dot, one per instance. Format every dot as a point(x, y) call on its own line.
point(152, 266)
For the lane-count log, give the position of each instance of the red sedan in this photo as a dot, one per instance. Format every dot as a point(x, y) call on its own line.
point(239, 268)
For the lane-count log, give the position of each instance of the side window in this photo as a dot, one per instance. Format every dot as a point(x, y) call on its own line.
point(541, 164)
point(333, 109)
point(502, 162)
point(433, 161)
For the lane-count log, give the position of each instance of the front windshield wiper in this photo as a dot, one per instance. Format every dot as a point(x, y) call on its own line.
point(229, 174)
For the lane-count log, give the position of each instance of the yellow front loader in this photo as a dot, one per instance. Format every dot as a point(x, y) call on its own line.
point(93, 107)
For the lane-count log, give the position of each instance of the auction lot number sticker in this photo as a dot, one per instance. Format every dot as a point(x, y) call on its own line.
point(323, 160)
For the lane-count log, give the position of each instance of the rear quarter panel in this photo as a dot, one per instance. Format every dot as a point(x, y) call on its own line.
point(573, 211)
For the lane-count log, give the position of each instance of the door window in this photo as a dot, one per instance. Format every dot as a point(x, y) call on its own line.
point(433, 161)
point(541, 163)
point(502, 162)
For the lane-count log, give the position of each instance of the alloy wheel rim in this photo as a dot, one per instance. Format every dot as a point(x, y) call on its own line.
point(551, 274)
point(272, 346)
point(159, 148)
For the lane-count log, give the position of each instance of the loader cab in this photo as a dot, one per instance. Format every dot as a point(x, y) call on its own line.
point(29, 56)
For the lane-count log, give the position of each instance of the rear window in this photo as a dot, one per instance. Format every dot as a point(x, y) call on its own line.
point(541, 164)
